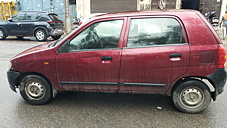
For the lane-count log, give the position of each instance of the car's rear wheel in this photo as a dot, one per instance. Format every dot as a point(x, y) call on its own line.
point(191, 96)
point(40, 35)
point(2, 34)
point(35, 90)
point(56, 37)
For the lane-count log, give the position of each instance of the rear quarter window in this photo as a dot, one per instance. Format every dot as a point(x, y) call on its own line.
point(55, 17)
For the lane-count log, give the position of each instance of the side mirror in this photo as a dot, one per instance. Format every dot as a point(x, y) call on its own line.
point(10, 20)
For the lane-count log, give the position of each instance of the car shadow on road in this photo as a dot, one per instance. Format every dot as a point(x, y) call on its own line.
point(26, 39)
point(73, 109)
point(158, 102)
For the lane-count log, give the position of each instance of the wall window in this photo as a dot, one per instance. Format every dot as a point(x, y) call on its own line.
point(101, 35)
point(155, 31)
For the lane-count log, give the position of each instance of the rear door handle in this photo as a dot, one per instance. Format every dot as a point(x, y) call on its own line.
point(175, 55)
point(106, 58)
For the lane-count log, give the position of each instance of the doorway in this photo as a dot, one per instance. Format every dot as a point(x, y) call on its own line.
point(190, 4)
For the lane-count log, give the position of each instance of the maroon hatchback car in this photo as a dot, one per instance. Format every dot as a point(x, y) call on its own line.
point(171, 52)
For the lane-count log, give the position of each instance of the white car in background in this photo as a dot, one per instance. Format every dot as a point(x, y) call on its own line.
point(80, 22)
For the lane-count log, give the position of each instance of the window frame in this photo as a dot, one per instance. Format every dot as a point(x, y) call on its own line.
point(88, 24)
point(30, 14)
point(17, 15)
point(158, 16)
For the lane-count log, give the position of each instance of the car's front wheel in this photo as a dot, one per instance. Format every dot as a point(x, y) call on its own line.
point(191, 96)
point(56, 37)
point(2, 34)
point(35, 90)
point(40, 35)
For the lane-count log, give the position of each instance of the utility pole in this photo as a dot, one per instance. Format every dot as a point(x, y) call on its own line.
point(51, 6)
point(67, 18)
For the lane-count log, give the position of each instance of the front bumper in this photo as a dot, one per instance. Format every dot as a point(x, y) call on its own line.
point(12, 77)
point(218, 79)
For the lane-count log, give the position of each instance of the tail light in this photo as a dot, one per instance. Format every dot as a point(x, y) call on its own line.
point(221, 56)
point(52, 22)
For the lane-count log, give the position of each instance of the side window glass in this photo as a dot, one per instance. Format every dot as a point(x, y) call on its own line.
point(18, 17)
point(155, 31)
point(101, 35)
point(30, 17)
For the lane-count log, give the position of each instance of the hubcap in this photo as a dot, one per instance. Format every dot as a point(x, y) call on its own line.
point(192, 97)
point(35, 90)
point(40, 35)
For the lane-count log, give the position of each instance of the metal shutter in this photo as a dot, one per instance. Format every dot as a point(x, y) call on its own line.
point(100, 6)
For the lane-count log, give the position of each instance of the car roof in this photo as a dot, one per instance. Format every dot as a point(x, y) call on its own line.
point(145, 12)
point(35, 12)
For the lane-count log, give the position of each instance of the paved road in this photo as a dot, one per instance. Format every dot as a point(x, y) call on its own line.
point(97, 110)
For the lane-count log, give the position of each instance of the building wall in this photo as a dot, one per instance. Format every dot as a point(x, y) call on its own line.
point(223, 9)
point(210, 5)
point(163, 4)
point(83, 8)
point(97, 6)
point(44, 5)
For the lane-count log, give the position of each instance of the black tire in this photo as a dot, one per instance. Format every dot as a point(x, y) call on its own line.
point(191, 96)
point(2, 34)
point(56, 37)
point(40, 35)
point(20, 37)
point(35, 90)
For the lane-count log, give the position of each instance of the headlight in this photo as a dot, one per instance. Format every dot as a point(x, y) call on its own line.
point(10, 66)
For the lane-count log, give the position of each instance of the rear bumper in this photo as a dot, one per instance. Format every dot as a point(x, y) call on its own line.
point(12, 77)
point(218, 79)
point(57, 32)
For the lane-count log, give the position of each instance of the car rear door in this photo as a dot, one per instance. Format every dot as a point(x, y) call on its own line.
point(92, 62)
point(28, 24)
point(156, 54)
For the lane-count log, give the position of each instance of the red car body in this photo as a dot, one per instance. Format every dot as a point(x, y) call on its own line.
point(154, 69)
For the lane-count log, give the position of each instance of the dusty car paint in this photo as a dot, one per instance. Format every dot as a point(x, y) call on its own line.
point(156, 69)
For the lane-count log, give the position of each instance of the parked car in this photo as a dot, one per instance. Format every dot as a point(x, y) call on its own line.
point(32, 23)
point(170, 52)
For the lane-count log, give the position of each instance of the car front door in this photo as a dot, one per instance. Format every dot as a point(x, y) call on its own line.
point(92, 60)
point(14, 25)
point(156, 54)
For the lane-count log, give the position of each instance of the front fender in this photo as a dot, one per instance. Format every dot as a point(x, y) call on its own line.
point(6, 32)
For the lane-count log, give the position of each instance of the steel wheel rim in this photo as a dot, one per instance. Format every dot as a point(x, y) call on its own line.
point(35, 90)
point(192, 97)
point(40, 35)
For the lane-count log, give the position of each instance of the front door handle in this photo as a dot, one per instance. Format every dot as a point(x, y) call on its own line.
point(106, 58)
point(175, 55)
